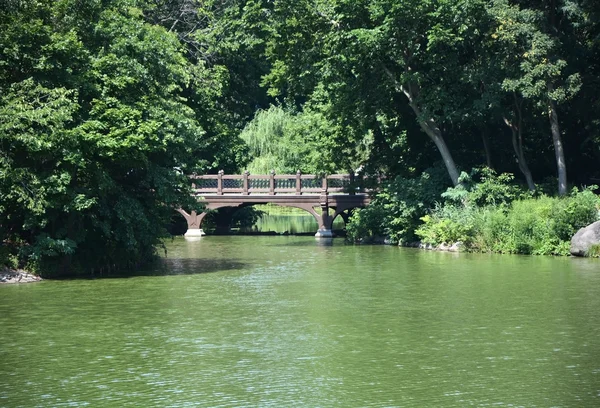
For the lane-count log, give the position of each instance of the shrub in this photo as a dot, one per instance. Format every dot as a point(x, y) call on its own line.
point(367, 223)
point(492, 231)
point(530, 222)
point(483, 187)
point(538, 226)
point(594, 251)
point(443, 231)
point(574, 212)
point(396, 209)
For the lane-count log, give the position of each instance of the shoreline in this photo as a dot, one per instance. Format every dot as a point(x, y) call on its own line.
point(8, 276)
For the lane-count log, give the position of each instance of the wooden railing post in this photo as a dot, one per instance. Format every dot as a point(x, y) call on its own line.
point(272, 183)
point(298, 182)
point(245, 187)
point(324, 184)
point(220, 182)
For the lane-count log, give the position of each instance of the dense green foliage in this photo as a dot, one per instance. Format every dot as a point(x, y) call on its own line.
point(396, 210)
point(486, 212)
point(285, 142)
point(540, 226)
point(106, 106)
point(103, 113)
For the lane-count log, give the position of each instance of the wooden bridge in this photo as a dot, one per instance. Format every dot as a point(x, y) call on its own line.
point(323, 197)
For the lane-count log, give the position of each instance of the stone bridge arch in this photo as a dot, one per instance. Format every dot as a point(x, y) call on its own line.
point(334, 194)
point(324, 219)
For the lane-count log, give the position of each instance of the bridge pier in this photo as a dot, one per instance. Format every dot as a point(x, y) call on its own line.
point(194, 233)
point(307, 192)
point(325, 221)
point(324, 233)
point(194, 221)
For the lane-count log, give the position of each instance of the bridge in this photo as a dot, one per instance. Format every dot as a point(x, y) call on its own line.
point(325, 198)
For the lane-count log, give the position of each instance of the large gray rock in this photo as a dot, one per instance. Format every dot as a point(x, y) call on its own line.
point(16, 276)
point(585, 238)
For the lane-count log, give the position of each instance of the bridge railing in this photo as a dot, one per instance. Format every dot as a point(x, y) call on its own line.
point(271, 184)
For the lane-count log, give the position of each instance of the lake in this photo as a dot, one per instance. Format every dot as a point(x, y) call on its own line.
point(284, 321)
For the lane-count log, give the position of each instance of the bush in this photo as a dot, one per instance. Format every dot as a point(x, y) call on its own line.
point(486, 212)
point(578, 210)
point(437, 231)
point(594, 251)
point(483, 187)
point(396, 209)
point(538, 226)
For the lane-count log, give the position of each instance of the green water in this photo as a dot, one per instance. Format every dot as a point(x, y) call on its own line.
point(293, 322)
point(289, 220)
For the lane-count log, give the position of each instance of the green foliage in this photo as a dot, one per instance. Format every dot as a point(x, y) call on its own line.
point(92, 127)
point(369, 223)
point(594, 251)
point(447, 225)
point(246, 217)
point(483, 186)
point(529, 33)
point(105, 106)
point(286, 142)
point(578, 210)
point(271, 145)
point(538, 226)
point(396, 210)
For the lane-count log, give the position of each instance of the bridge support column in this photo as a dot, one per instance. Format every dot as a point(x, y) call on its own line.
point(325, 223)
point(194, 220)
point(194, 233)
point(324, 233)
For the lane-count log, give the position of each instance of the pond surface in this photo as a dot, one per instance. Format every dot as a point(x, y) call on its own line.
point(293, 322)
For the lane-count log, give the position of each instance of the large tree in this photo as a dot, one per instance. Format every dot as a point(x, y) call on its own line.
point(96, 132)
point(536, 61)
point(372, 57)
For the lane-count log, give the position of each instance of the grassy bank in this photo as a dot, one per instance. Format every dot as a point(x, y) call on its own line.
point(486, 213)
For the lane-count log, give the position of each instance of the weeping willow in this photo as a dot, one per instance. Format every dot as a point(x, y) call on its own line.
point(271, 141)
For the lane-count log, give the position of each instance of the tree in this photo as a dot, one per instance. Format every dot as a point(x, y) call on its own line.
point(540, 73)
point(365, 54)
point(284, 141)
point(97, 134)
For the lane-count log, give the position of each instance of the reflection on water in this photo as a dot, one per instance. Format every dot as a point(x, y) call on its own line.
point(289, 322)
point(284, 223)
point(292, 222)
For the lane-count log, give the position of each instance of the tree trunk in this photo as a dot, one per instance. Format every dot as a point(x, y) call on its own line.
point(558, 149)
point(427, 124)
point(486, 147)
point(517, 142)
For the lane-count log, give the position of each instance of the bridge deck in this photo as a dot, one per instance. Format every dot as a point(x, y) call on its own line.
point(272, 184)
point(304, 191)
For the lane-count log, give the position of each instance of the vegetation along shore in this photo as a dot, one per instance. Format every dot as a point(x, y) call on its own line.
point(480, 116)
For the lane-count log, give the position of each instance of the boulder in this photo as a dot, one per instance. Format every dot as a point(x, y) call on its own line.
point(583, 240)
point(17, 276)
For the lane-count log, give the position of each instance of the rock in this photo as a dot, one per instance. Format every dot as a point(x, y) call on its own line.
point(17, 276)
point(456, 247)
point(585, 238)
point(423, 245)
